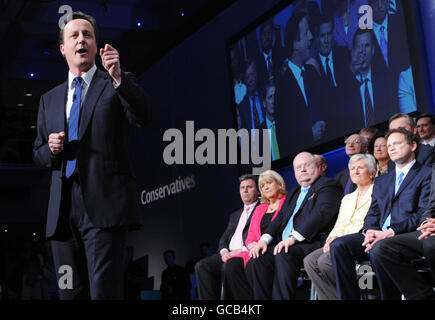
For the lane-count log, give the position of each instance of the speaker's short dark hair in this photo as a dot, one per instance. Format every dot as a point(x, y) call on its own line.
point(78, 15)
point(431, 117)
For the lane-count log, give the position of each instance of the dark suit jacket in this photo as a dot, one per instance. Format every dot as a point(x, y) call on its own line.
point(398, 58)
point(406, 207)
point(263, 75)
point(316, 215)
point(224, 241)
point(383, 100)
point(294, 120)
point(245, 113)
point(330, 111)
point(426, 155)
point(342, 178)
point(107, 182)
point(430, 210)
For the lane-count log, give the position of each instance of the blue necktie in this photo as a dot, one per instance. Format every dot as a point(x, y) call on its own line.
point(288, 229)
point(399, 181)
point(73, 122)
point(384, 45)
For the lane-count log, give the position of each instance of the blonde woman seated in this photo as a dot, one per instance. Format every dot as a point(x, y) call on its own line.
point(353, 209)
point(273, 194)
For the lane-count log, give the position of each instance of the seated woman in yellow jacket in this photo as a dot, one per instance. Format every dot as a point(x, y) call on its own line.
point(353, 209)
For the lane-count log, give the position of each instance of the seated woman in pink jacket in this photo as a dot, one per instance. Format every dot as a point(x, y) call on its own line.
point(273, 194)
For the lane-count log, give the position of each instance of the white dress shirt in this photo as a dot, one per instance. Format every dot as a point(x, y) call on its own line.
point(87, 78)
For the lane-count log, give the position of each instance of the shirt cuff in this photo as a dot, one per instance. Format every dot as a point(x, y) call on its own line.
point(115, 84)
point(266, 237)
point(244, 248)
point(392, 230)
point(223, 250)
point(298, 236)
point(423, 223)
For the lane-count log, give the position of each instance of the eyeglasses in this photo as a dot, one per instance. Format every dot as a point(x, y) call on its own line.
point(356, 141)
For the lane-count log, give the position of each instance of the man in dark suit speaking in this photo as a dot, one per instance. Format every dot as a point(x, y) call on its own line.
point(82, 137)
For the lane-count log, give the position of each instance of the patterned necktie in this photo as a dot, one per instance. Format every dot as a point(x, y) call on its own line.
point(384, 45)
point(288, 229)
point(73, 122)
point(370, 114)
point(399, 181)
point(329, 73)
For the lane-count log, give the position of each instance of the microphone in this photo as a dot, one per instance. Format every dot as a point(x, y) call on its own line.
point(74, 97)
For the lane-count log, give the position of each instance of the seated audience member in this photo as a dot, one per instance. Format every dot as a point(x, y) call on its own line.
point(353, 210)
point(399, 199)
point(355, 144)
point(322, 163)
point(425, 154)
point(378, 148)
point(426, 128)
point(175, 283)
point(300, 229)
point(208, 270)
point(368, 133)
point(394, 255)
point(273, 194)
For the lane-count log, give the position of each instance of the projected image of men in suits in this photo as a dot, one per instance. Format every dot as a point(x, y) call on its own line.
point(296, 101)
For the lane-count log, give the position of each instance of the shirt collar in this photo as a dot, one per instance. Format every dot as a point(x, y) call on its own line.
point(368, 76)
point(430, 143)
point(384, 24)
point(87, 77)
point(249, 207)
point(322, 58)
point(295, 69)
point(268, 54)
point(405, 169)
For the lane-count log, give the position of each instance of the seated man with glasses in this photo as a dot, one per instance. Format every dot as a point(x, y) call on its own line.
point(355, 144)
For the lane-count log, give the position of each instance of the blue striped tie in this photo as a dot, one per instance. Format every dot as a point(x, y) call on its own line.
point(399, 181)
point(73, 123)
point(289, 227)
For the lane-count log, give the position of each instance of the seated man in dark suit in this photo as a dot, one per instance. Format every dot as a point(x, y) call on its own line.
point(425, 154)
point(399, 199)
point(308, 216)
point(394, 255)
point(368, 98)
point(296, 102)
point(355, 144)
point(208, 270)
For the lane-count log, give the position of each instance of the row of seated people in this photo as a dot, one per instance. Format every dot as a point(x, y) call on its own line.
point(388, 220)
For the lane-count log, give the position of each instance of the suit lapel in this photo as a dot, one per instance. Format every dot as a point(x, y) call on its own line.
point(94, 92)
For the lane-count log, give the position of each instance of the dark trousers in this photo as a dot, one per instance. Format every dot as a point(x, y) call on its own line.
point(260, 274)
point(209, 277)
point(288, 268)
point(96, 256)
point(276, 277)
point(394, 255)
point(237, 286)
point(344, 252)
